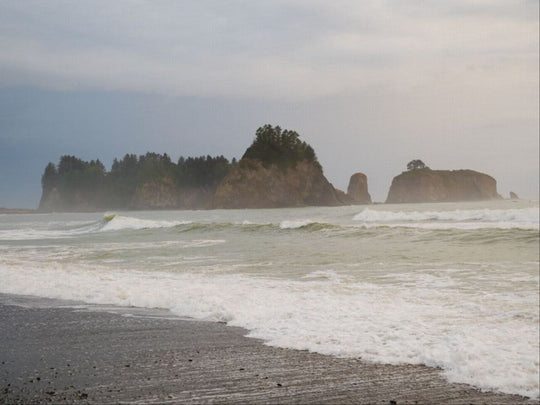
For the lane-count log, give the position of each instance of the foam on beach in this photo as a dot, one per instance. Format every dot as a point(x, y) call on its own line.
point(491, 342)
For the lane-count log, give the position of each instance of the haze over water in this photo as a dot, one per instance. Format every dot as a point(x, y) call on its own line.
point(451, 285)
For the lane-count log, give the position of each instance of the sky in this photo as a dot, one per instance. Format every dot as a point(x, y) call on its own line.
point(369, 84)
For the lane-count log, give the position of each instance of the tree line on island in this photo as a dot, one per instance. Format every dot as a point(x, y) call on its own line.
point(77, 181)
point(277, 170)
point(272, 145)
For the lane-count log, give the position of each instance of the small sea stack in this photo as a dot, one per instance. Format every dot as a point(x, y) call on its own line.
point(358, 189)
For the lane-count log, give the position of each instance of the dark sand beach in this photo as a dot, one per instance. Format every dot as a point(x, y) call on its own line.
point(76, 355)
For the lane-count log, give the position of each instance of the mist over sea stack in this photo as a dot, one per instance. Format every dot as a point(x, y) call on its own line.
point(150, 181)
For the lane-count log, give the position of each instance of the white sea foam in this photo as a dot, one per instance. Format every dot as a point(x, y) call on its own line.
point(119, 223)
point(295, 224)
point(61, 230)
point(491, 342)
point(50, 230)
point(524, 218)
point(326, 275)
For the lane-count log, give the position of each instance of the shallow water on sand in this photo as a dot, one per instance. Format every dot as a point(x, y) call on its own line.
point(447, 285)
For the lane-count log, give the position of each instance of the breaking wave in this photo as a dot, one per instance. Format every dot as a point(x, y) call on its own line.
point(119, 223)
point(525, 218)
point(353, 225)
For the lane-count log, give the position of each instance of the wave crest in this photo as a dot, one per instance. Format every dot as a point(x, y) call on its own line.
point(526, 218)
point(119, 223)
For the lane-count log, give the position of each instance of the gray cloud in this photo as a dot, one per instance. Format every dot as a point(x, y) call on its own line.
point(375, 83)
point(292, 49)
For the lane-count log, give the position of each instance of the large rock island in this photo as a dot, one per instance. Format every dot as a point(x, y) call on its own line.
point(419, 185)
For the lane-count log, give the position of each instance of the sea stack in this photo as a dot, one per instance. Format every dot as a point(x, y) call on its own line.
point(277, 170)
point(252, 184)
point(358, 189)
point(426, 185)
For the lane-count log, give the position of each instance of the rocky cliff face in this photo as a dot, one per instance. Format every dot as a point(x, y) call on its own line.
point(251, 184)
point(162, 194)
point(165, 194)
point(425, 185)
point(358, 189)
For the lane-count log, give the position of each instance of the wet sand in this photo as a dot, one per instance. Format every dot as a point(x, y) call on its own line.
point(70, 355)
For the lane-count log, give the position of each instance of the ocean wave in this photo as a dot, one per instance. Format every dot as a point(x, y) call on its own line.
point(295, 224)
point(525, 218)
point(309, 225)
point(119, 223)
point(62, 230)
point(369, 219)
point(50, 230)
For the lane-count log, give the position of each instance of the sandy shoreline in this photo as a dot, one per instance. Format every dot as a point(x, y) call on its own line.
point(67, 355)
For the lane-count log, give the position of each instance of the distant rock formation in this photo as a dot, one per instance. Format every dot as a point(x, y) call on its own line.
point(277, 170)
point(252, 184)
point(426, 185)
point(358, 189)
point(513, 196)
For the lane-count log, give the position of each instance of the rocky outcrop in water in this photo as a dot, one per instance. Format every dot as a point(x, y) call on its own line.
point(513, 196)
point(253, 184)
point(358, 189)
point(426, 185)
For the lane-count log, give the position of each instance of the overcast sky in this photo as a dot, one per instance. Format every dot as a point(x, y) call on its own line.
point(370, 85)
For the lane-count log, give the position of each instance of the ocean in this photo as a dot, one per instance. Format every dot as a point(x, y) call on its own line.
point(449, 285)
